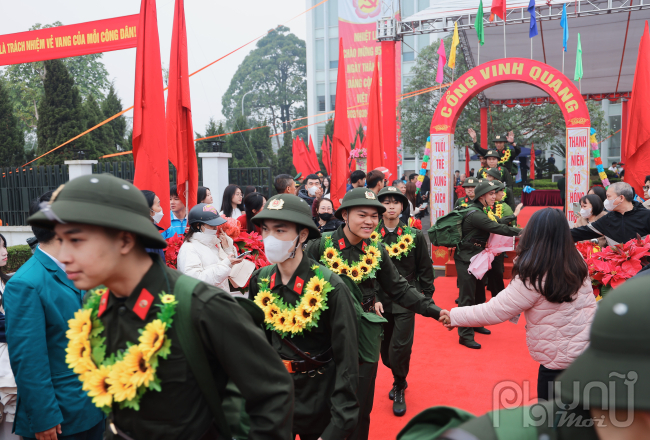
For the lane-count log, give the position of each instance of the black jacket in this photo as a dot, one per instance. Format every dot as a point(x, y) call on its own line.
point(619, 227)
point(303, 194)
point(331, 225)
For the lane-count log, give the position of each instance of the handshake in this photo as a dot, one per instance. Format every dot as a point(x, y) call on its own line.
point(445, 319)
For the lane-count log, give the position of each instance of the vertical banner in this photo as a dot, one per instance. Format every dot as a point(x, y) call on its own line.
point(577, 167)
point(357, 28)
point(441, 186)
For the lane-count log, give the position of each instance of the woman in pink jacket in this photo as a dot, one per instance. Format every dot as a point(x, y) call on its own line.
point(551, 286)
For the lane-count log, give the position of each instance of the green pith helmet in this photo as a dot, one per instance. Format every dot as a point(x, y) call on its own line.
point(470, 182)
point(493, 153)
point(494, 172)
point(360, 197)
point(392, 191)
point(498, 138)
point(485, 187)
point(289, 208)
point(101, 200)
point(615, 367)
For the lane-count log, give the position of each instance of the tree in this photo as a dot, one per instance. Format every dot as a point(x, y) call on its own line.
point(238, 144)
point(12, 141)
point(112, 105)
point(211, 129)
point(285, 156)
point(275, 73)
point(263, 148)
point(100, 140)
point(61, 115)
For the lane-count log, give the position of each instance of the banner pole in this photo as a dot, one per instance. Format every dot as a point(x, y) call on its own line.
point(531, 48)
point(562, 61)
point(504, 38)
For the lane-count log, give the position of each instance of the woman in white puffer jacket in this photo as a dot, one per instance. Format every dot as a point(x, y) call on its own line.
point(204, 254)
point(551, 286)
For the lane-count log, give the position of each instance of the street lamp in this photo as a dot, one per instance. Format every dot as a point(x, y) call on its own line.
point(242, 102)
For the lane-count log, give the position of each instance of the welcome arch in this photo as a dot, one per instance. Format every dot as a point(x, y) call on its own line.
point(535, 73)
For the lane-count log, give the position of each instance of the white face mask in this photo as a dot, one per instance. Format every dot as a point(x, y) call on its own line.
point(278, 251)
point(585, 212)
point(208, 231)
point(609, 205)
point(157, 216)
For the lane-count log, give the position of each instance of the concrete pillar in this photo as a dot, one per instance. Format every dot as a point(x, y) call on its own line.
point(78, 168)
point(215, 174)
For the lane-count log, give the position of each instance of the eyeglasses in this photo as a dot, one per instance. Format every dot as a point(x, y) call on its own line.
point(645, 188)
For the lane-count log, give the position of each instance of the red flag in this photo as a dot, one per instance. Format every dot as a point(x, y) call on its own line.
point(638, 130)
point(313, 157)
point(297, 157)
point(327, 160)
point(341, 138)
point(466, 162)
point(149, 135)
point(499, 8)
point(374, 139)
point(304, 157)
point(180, 134)
point(532, 162)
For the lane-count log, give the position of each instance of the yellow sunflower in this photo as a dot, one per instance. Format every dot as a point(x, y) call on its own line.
point(304, 313)
point(97, 387)
point(265, 280)
point(78, 356)
point(80, 325)
point(370, 260)
point(264, 298)
point(311, 302)
point(271, 312)
point(335, 263)
point(330, 253)
point(355, 274)
point(374, 236)
point(372, 250)
point(168, 299)
point(152, 338)
point(281, 320)
point(143, 372)
point(316, 285)
point(364, 268)
point(344, 269)
point(100, 292)
point(120, 384)
point(402, 246)
point(395, 249)
point(407, 239)
point(391, 252)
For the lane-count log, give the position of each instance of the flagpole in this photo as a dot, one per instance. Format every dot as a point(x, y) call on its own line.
point(504, 38)
point(562, 61)
point(531, 48)
point(479, 52)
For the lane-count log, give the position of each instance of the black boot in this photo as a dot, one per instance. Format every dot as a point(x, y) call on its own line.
point(470, 344)
point(391, 393)
point(399, 404)
point(482, 330)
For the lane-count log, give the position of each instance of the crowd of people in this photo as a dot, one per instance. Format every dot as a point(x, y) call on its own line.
point(86, 324)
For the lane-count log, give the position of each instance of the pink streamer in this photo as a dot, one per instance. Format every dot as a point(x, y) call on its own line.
point(482, 262)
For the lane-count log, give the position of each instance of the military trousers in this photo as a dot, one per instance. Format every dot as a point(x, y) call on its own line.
point(494, 276)
point(471, 292)
point(397, 345)
point(366, 397)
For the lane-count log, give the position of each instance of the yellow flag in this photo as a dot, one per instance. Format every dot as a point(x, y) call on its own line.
point(452, 52)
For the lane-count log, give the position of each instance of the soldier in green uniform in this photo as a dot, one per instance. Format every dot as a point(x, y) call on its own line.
point(366, 262)
point(310, 321)
point(501, 174)
point(506, 154)
point(604, 394)
point(140, 370)
point(469, 184)
point(484, 167)
point(476, 228)
point(407, 249)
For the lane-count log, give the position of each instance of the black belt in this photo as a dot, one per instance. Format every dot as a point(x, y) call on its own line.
point(308, 363)
point(369, 306)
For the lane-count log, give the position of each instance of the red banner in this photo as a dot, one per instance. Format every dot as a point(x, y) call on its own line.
point(69, 41)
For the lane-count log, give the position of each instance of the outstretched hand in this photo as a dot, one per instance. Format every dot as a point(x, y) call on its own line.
point(511, 136)
point(472, 134)
point(445, 319)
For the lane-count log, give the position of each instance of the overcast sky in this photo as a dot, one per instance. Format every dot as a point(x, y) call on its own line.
point(214, 28)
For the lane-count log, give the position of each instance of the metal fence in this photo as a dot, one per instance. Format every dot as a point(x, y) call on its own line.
point(260, 178)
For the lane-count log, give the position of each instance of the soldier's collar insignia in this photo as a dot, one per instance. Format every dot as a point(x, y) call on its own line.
point(370, 195)
point(276, 204)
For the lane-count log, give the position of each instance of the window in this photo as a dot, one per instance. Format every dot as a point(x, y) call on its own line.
point(423, 41)
point(407, 48)
point(408, 10)
point(422, 4)
point(405, 83)
point(615, 141)
point(319, 54)
point(333, 13)
point(332, 95)
point(320, 96)
point(319, 16)
point(320, 132)
point(334, 53)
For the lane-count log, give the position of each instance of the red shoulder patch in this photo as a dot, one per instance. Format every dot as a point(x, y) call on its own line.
point(342, 244)
point(399, 231)
point(383, 232)
point(272, 285)
point(363, 246)
point(298, 285)
point(102, 304)
point(143, 304)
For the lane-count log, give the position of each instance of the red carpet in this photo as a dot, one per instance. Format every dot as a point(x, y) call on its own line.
point(444, 372)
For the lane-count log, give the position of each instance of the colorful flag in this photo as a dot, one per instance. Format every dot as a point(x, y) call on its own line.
point(341, 138)
point(499, 8)
point(454, 44)
point(149, 135)
point(565, 25)
point(533, 19)
point(578, 74)
point(374, 134)
point(313, 157)
point(478, 24)
point(442, 60)
point(180, 134)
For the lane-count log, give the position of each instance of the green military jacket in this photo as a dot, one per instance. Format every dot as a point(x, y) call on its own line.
point(325, 403)
point(462, 201)
point(514, 152)
point(508, 217)
point(416, 266)
point(482, 226)
point(387, 275)
point(236, 349)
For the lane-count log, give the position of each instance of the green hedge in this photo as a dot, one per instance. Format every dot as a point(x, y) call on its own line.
point(18, 255)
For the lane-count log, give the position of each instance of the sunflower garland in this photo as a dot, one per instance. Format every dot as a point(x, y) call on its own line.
point(495, 212)
point(122, 377)
point(506, 156)
point(364, 269)
point(402, 247)
point(291, 320)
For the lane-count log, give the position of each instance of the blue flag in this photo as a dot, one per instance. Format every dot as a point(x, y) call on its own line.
point(565, 25)
point(533, 19)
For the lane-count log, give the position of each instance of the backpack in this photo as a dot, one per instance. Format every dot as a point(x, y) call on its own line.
point(448, 229)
